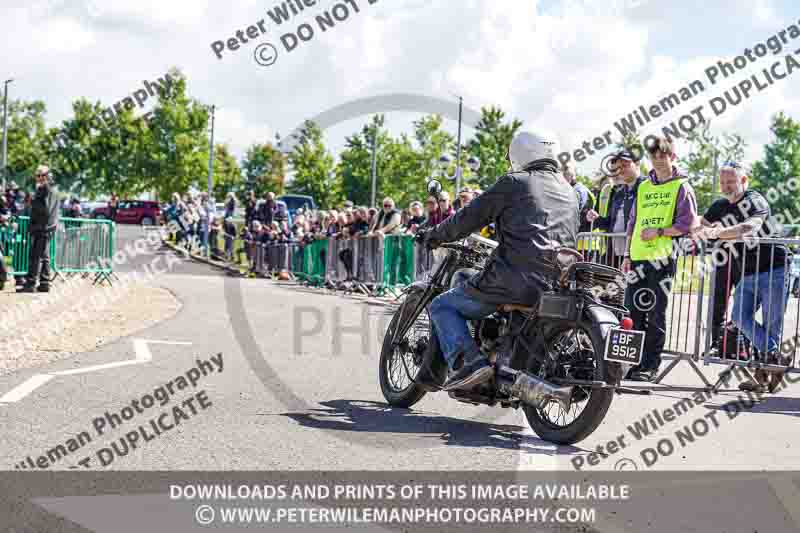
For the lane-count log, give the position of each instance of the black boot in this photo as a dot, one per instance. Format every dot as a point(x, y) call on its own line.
point(469, 371)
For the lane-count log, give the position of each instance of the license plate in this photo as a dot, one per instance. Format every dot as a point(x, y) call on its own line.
point(624, 346)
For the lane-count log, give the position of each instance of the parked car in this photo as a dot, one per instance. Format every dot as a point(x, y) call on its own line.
point(297, 201)
point(87, 208)
point(143, 212)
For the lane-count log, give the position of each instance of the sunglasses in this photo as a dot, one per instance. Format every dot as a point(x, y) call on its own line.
point(443, 201)
point(41, 175)
point(731, 164)
point(387, 206)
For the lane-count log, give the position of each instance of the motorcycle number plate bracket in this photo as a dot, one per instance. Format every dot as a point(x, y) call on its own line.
point(624, 346)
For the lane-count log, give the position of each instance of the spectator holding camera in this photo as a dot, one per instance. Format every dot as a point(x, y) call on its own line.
point(416, 220)
point(45, 214)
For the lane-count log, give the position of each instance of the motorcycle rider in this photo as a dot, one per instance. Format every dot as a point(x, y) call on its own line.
point(535, 211)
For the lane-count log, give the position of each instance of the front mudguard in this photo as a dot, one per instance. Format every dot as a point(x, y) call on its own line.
point(434, 364)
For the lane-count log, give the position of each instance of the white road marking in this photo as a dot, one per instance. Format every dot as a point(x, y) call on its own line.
point(25, 388)
point(535, 453)
point(143, 355)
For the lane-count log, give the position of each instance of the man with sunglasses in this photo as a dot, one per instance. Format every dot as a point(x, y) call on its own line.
point(665, 208)
point(388, 220)
point(535, 211)
point(45, 214)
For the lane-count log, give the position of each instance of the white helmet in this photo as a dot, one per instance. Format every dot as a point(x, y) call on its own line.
point(528, 147)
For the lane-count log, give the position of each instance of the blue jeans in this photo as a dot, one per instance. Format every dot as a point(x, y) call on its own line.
point(449, 314)
point(754, 292)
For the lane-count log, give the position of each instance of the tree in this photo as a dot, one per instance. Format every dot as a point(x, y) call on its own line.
point(227, 174)
point(355, 167)
point(264, 168)
point(706, 154)
point(777, 175)
point(129, 155)
point(177, 141)
point(90, 156)
point(490, 144)
point(26, 139)
point(313, 167)
point(432, 143)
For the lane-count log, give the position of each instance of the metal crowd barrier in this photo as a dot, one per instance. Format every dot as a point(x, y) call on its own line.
point(375, 265)
point(16, 244)
point(78, 246)
point(700, 308)
point(753, 317)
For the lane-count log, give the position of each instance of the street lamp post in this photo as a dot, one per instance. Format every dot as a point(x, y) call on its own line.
point(5, 129)
point(211, 153)
point(458, 149)
point(374, 165)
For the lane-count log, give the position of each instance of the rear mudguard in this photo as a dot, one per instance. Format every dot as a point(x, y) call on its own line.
point(594, 317)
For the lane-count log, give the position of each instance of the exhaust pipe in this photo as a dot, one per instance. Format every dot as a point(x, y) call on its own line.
point(531, 390)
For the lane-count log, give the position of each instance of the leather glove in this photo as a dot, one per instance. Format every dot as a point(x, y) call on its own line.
point(430, 242)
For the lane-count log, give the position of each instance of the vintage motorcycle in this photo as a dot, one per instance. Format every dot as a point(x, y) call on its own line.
point(561, 361)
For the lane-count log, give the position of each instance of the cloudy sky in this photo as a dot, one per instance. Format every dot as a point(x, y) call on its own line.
point(573, 67)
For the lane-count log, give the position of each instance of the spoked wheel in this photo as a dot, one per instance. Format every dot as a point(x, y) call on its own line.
point(400, 364)
point(580, 356)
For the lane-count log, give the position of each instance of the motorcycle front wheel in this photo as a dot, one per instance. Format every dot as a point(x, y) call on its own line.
point(400, 364)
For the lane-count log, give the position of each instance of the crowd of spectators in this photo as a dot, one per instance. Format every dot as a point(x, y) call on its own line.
point(267, 221)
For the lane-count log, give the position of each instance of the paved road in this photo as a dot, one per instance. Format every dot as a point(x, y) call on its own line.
point(298, 391)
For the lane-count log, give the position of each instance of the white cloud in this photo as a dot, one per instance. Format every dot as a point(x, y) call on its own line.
point(574, 67)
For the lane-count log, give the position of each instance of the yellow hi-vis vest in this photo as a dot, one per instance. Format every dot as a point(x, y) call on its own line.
point(583, 243)
point(605, 197)
point(602, 209)
point(655, 208)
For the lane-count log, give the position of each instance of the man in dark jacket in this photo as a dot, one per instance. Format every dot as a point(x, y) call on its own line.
point(44, 221)
point(266, 211)
point(535, 211)
point(620, 204)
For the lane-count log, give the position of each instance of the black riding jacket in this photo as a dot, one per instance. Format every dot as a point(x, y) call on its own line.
point(534, 212)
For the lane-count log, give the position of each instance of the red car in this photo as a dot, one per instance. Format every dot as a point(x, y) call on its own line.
point(143, 212)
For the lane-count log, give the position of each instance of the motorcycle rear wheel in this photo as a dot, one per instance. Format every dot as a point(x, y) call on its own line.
point(591, 337)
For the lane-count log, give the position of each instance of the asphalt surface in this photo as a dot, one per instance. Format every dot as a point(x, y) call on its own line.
point(299, 390)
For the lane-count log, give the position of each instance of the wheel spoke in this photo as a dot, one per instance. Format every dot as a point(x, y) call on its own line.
point(401, 360)
point(575, 351)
